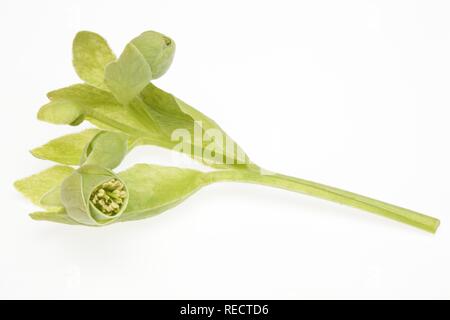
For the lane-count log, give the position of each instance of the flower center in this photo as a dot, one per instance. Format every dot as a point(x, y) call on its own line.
point(109, 197)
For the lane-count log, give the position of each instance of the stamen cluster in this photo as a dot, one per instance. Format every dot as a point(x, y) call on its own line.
point(109, 197)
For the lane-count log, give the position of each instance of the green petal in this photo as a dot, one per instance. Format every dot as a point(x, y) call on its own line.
point(37, 185)
point(91, 54)
point(67, 149)
point(153, 189)
point(129, 75)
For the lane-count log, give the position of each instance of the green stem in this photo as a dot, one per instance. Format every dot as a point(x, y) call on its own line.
point(318, 190)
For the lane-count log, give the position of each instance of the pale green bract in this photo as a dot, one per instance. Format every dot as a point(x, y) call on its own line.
point(67, 149)
point(91, 54)
point(128, 110)
point(38, 185)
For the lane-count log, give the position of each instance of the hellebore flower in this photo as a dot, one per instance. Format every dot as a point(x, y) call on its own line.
point(94, 196)
point(117, 97)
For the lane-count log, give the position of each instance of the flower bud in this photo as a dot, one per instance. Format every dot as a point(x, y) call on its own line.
point(94, 196)
point(157, 49)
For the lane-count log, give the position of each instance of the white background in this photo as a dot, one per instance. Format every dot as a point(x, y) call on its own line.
point(354, 94)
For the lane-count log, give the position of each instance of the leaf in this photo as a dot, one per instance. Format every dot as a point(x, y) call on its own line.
point(37, 185)
point(91, 55)
point(61, 112)
point(154, 188)
point(128, 76)
point(83, 94)
point(157, 49)
point(67, 149)
point(172, 114)
point(59, 216)
point(152, 118)
point(102, 109)
point(165, 110)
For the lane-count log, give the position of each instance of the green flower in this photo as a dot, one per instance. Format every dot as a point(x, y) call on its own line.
point(157, 49)
point(93, 195)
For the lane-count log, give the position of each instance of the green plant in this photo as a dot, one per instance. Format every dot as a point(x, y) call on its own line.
point(117, 97)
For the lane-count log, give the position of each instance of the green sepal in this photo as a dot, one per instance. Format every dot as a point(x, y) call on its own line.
point(128, 75)
point(106, 149)
point(158, 51)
